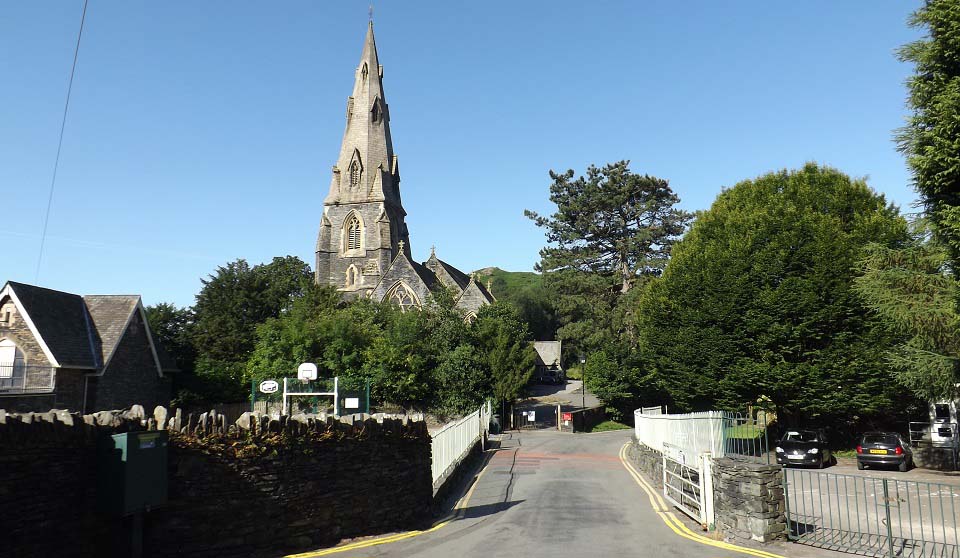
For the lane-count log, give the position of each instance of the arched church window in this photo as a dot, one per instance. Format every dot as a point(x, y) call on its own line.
point(353, 230)
point(402, 296)
point(354, 174)
point(351, 276)
point(375, 113)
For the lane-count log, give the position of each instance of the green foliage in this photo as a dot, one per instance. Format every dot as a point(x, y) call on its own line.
point(172, 328)
point(758, 301)
point(611, 222)
point(609, 425)
point(931, 138)
point(461, 381)
point(229, 307)
point(502, 336)
point(912, 290)
point(525, 291)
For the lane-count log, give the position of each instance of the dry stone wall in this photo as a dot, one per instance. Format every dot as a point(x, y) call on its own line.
point(260, 487)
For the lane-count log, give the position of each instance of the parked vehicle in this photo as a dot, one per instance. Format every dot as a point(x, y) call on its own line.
point(884, 448)
point(804, 447)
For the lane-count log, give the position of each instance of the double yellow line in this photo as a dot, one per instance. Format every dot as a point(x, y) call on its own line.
point(673, 522)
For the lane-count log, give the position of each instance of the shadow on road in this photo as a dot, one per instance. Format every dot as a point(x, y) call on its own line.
point(484, 510)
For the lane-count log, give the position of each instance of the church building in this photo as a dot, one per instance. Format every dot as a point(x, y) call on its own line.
point(363, 247)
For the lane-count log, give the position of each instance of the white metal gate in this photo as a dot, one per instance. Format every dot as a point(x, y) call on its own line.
point(688, 484)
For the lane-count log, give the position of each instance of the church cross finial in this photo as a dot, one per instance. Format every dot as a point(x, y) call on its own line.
point(400, 245)
point(433, 250)
point(371, 13)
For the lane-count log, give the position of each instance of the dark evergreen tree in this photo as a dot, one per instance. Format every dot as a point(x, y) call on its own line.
point(758, 301)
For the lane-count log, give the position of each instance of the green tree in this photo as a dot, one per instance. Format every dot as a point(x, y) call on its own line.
point(462, 381)
point(503, 338)
point(173, 328)
point(230, 306)
point(913, 290)
point(612, 222)
point(758, 301)
point(931, 138)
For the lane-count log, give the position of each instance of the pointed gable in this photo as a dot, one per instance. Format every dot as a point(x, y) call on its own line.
point(405, 272)
point(474, 297)
point(449, 276)
point(59, 320)
point(110, 315)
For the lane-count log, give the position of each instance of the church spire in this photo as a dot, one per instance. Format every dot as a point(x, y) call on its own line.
point(366, 169)
point(362, 228)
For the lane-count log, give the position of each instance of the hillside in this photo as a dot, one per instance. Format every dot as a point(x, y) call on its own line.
point(508, 284)
point(524, 289)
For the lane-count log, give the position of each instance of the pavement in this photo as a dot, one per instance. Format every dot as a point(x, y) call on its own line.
point(548, 494)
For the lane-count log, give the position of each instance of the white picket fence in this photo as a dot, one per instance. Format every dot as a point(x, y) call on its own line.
point(451, 443)
point(689, 433)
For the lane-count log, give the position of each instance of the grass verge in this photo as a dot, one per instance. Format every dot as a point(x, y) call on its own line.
point(609, 425)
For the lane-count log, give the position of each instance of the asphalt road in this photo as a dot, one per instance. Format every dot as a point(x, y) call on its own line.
point(549, 494)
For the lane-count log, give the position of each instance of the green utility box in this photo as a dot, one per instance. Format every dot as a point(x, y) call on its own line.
point(132, 472)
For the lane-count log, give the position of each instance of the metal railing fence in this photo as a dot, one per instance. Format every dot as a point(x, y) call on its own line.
point(17, 377)
point(872, 516)
point(720, 433)
point(452, 442)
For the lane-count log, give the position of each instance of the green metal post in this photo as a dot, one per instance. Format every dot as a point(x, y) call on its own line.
point(886, 506)
point(368, 396)
point(253, 395)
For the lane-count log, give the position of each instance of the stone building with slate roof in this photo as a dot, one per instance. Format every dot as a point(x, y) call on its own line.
point(363, 247)
point(83, 353)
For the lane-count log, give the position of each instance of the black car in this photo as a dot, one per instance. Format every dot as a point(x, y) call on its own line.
point(804, 447)
point(884, 448)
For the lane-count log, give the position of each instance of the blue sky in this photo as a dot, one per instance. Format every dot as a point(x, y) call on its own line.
point(203, 132)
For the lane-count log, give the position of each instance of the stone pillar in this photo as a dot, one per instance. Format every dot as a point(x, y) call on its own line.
point(748, 500)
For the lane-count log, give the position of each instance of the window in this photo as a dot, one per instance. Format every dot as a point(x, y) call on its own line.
point(6, 313)
point(353, 230)
point(351, 276)
point(402, 296)
point(375, 113)
point(355, 174)
point(941, 411)
point(8, 358)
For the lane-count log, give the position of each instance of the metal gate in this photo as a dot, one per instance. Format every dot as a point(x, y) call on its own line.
point(872, 516)
point(688, 484)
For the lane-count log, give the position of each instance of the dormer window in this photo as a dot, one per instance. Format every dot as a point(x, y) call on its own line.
point(376, 113)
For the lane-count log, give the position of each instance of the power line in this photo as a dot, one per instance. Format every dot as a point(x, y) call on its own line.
point(63, 124)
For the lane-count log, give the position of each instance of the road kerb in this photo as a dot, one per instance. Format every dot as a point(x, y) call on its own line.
point(674, 523)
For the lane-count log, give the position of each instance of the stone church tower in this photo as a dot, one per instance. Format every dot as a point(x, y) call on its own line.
point(362, 228)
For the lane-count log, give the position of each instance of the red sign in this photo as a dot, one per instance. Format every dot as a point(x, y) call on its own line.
point(567, 416)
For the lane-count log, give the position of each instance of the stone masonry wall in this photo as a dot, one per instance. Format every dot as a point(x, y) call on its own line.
point(748, 500)
point(648, 461)
point(262, 487)
point(131, 376)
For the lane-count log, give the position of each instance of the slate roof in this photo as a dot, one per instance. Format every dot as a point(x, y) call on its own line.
point(61, 321)
point(548, 352)
point(428, 277)
point(110, 314)
point(81, 332)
